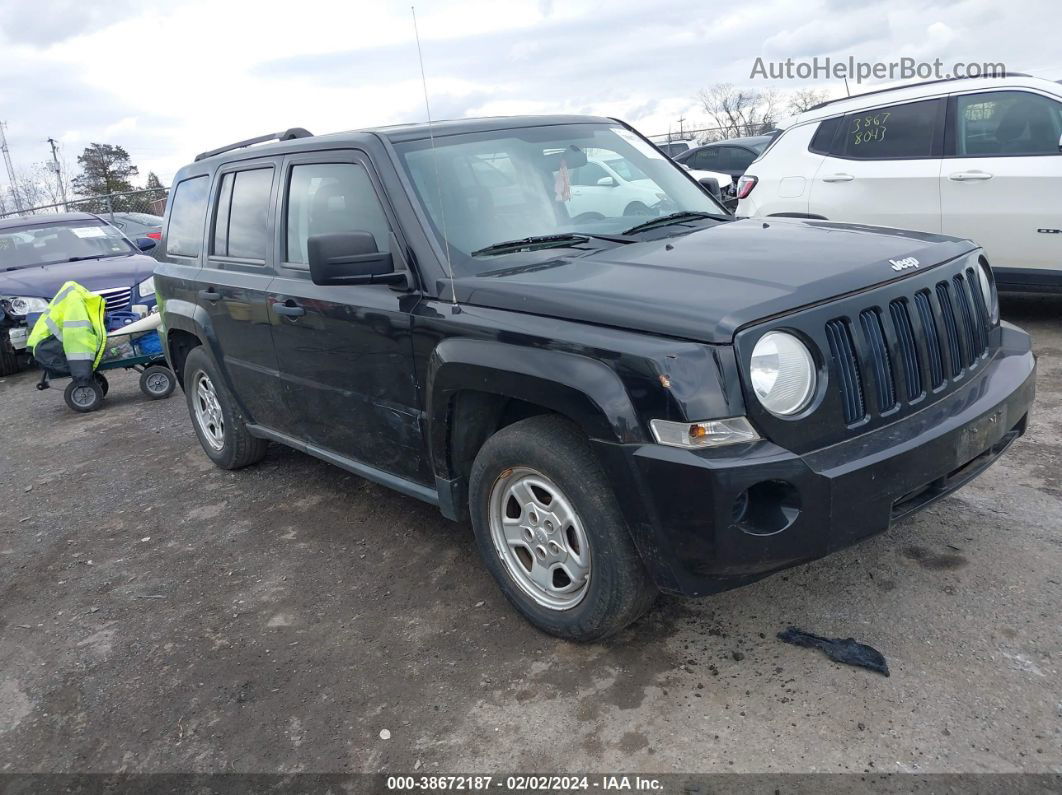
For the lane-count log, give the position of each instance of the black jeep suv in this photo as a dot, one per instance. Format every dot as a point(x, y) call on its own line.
point(625, 389)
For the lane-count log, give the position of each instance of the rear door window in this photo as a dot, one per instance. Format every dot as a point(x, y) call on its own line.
point(1001, 123)
point(184, 236)
point(707, 159)
point(242, 217)
point(737, 158)
point(897, 132)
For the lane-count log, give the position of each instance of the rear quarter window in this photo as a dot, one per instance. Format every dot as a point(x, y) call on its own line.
point(184, 236)
point(822, 141)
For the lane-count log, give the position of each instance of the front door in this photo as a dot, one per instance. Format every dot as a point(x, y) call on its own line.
point(1002, 186)
point(235, 282)
point(344, 351)
point(884, 168)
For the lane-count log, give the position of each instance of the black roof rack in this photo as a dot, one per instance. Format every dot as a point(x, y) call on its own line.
point(288, 135)
point(921, 83)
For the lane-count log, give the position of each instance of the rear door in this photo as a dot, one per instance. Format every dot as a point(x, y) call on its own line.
point(235, 281)
point(344, 351)
point(1002, 181)
point(884, 168)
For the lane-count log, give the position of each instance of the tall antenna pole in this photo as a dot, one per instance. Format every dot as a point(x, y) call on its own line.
point(435, 159)
point(58, 169)
point(10, 168)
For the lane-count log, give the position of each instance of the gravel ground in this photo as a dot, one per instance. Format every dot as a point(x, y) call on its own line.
point(159, 614)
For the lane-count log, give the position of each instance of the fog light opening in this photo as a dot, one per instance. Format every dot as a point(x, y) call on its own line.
point(766, 508)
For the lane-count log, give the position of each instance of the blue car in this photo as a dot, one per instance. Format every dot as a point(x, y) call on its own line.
point(39, 253)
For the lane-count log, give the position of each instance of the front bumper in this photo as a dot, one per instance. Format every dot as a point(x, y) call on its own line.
point(707, 521)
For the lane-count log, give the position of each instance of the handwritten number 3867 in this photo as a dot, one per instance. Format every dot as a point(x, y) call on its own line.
point(870, 128)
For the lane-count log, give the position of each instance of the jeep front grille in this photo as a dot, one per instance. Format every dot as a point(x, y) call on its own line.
point(899, 353)
point(116, 298)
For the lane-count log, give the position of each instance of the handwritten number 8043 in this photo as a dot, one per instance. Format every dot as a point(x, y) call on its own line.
point(871, 128)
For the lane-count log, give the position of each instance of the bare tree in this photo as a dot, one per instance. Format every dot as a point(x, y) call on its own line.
point(805, 99)
point(739, 112)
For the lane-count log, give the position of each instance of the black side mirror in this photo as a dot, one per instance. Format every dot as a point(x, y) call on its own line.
point(146, 243)
point(350, 258)
point(712, 184)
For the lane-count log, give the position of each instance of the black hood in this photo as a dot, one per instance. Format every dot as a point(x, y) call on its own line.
point(707, 284)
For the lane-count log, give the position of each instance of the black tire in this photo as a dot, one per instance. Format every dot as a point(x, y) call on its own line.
point(157, 382)
point(618, 590)
point(83, 398)
point(9, 358)
point(637, 210)
point(101, 379)
point(237, 447)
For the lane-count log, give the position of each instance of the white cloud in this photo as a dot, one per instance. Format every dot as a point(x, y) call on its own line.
point(168, 80)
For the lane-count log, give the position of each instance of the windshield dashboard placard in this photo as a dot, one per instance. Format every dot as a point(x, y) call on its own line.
point(89, 231)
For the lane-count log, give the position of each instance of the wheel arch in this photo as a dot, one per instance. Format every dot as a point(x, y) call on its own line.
point(477, 387)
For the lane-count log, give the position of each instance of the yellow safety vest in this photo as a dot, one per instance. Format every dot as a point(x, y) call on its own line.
point(75, 318)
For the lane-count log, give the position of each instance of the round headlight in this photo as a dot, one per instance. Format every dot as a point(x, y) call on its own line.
point(984, 276)
point(782, 373)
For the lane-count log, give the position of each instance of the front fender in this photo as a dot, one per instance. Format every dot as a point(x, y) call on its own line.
point(585, 390)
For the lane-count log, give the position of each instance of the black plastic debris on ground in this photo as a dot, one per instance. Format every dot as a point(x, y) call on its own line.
point(842, 650)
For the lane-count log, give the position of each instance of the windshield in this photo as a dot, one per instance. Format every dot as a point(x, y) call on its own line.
point(582, 179)
point(47, 244)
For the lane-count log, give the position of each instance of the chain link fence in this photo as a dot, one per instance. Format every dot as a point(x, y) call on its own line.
point(151, 201)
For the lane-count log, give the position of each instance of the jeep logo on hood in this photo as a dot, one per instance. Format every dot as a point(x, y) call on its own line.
point(904, 264)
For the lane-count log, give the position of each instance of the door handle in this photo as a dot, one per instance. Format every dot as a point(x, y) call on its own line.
point(969, 176)
point(838, 178)
point(209, 295)
point(289, 309)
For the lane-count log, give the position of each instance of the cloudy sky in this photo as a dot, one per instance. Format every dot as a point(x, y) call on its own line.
point(168, 80)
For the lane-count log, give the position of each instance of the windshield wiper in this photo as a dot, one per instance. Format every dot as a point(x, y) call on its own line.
point(675, 218)
point(91, 256)
point(545, 241)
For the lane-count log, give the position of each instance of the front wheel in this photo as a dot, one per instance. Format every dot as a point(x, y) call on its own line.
point(9, 357)
point(83, 398)
point(551, 533)
point(218, 422)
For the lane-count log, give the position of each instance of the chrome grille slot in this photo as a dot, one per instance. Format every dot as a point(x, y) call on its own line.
point(116, 298)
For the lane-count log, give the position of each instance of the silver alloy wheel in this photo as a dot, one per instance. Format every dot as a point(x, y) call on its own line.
point(208, 411)
point(157, 383)
point(539, 537)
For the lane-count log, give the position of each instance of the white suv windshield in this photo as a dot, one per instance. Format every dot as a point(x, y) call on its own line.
point(488, 188)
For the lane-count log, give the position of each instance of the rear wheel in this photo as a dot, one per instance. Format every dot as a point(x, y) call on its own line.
point(551, 532)
point(83, 397)
point(218, 422)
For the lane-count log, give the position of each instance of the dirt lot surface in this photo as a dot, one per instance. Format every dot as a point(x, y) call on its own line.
point(159, 614)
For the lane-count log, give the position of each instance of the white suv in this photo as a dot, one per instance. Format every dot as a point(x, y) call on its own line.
point(975, 158)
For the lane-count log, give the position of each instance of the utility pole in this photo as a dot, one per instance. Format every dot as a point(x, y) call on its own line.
point(681, 120)
point(10, 168)
point(58, 169)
